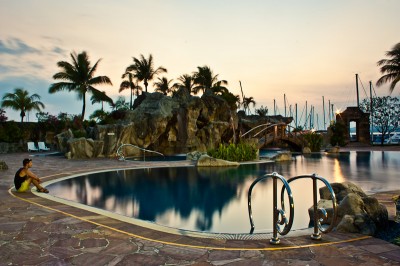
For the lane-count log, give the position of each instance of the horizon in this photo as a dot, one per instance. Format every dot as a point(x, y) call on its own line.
point(303, 50)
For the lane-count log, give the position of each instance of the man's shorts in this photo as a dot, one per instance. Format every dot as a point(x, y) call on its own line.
point(24, 186)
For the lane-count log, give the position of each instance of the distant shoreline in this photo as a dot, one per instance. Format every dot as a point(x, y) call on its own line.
point(370, 148)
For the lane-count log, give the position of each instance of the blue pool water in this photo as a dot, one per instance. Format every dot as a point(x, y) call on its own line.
point(215, 199)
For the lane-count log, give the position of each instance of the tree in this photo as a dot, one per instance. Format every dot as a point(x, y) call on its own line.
point(163, 85)
point(247, 102)
point(385, 116)
point(79, 77)
point(143, 69)
point(21, 101)
point(121, 104)
point(186, 81)
point(101, 98)
point(130, 83)
point(262, 111)
point(205, 79)
point(390, 68)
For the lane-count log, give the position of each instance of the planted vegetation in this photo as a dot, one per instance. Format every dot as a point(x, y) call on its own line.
point(234, 152)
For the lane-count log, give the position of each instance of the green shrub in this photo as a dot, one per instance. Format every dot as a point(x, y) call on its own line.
point(338, 134)
point(234, 152)
point(314, 141)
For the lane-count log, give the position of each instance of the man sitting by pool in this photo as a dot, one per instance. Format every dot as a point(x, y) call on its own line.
point(24, 177)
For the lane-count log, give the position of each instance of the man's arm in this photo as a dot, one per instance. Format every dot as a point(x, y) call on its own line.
point(32, 175)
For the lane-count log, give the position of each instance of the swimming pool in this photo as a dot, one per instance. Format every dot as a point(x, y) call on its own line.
point(215, 199)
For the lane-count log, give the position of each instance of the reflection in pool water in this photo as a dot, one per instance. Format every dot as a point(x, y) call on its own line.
point(215, 199)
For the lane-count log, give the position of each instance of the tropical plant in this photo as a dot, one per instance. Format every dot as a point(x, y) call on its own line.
point(262, 111)
point(234, 152)
point(21, 101)
point(79, 77)
point(130, 83)
point(390, 68)
point(143, 69)
point(99, 115)
point(163, 85)
point(186, 81)
point(99, 97)
point(205, 79)
point(338, 131)
point(247, 102)
point(314, 141)
point(121, 104)
point(385, 116)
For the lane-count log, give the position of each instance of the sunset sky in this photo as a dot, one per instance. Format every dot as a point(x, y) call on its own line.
point(303, 49)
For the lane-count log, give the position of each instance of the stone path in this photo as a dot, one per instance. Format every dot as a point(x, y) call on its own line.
point(36, 231)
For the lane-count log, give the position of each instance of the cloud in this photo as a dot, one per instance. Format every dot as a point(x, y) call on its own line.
point(15, 46)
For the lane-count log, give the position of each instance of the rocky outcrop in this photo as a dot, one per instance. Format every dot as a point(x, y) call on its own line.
point(282, 157)
point(84, 148)
point(207, 161)
point(357, 212)
point(169, 125)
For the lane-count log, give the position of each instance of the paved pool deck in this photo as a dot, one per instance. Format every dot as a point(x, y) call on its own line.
point(37, 231)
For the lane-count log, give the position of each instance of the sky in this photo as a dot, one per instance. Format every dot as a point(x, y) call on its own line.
point(304, 50)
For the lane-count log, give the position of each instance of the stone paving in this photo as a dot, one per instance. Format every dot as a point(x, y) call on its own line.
point(36, 231)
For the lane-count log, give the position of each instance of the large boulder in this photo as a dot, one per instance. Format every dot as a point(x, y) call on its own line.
point(356, 212)
point(85, 148)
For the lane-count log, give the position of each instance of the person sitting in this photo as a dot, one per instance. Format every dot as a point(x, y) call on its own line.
point(24, 177)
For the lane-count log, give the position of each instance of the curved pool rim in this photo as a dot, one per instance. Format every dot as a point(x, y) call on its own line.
point(154, 226)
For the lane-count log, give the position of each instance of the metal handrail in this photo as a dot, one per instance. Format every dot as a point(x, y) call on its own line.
point(122, 157)
point(320, 214)
point(279, 215)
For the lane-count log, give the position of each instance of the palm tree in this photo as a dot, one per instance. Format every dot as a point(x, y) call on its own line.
point(390, 68)
point(247, 102)
point(21, 101)
point(163, 85)
point(143, 69)
point(186, 81)
point(205, 79)
point(79, 77)
point(128, 84)
point(100, 98)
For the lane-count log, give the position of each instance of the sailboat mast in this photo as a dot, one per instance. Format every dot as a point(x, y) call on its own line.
point(371, 112)
point(358, 96)
point(323, 110)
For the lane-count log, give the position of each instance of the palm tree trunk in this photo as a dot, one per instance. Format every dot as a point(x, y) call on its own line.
point(130, 108)
point(84, 106)
point(145, 84)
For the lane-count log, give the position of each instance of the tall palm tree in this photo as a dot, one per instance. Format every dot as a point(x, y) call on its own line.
point(21, 101)
point(79, 77)
point(143, 69)
point(205, 79)
point(163, 85)
point(130, 84)
point(247, 102)
point(390, 68)
point(186, 81)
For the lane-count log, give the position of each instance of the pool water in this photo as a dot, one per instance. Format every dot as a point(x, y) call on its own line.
point(215, 199)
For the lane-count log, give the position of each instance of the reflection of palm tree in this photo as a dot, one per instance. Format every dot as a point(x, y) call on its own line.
point(186, 81)
point(21, 101)
point(163, 85)
point(143, 69)
point(205, 79)
point(79, 77)
point(390, 68)
point(247, 102)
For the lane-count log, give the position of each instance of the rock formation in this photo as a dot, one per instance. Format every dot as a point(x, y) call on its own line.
point(169, 125)
point(357, 212)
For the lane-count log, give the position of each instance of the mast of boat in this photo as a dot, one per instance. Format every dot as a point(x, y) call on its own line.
point(274, 107)
point(323, 110)
point(284, 99)
point(329, 111)
point(358, 96)
point(371, 111)
point(305, 124)
point(296, 116)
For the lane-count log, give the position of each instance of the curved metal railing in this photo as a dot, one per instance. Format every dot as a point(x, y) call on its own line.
point(279, 215)
point(121, 155)
point(320, 214)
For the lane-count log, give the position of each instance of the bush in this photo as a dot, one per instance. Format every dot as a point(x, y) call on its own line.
point(314, 141)
point(234, 152)
point(10, 132)
point(338, 134)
